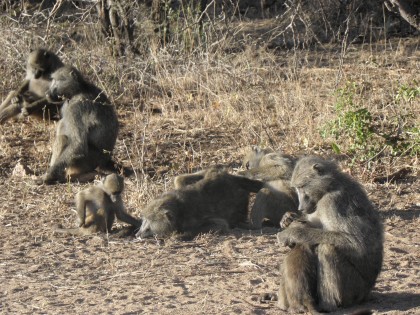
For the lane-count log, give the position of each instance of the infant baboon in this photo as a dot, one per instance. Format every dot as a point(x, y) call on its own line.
point(216, 202)
point(97, 207)
point(29, 98)
point(87, 131)
point(277, 197)
point(337, 244)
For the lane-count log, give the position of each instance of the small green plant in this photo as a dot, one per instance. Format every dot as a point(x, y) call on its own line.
point(353, 122)
point(354, 127)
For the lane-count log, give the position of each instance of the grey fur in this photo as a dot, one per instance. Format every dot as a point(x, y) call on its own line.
point(87, 131)
point(97, 207)
point(339, 239)
point(277, 196)
point(29, 98)
point(216, 202)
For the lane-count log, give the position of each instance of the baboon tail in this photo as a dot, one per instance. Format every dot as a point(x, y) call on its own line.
point(251, 185)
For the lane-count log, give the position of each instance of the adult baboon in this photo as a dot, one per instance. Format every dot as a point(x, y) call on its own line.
point(337, 244)
point(216, 202)
point(97, 207)
point(277, 197)
point(87, 131)
point(29, 98)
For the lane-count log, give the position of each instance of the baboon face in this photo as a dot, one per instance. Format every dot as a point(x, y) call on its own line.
point(312, 179)
point(65, 84)
point(113, 185)
point(38, 61)
point(253, 157)
point(158, 219)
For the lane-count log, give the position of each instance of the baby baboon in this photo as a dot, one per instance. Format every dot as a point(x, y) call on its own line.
point(338, 244)
point(97, 207)
point(87, 131)
point(216, 202)
point(29, 98)
point(277, 196)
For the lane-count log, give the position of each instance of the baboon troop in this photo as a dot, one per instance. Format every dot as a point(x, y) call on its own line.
point(86, 133)
point(277, 197)
point(30, 97)
point(334, 233)
point(97, 207)
point(213, 200)
point(337, 244)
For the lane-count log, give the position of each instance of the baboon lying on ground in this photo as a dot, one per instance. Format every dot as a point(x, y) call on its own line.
point(216, 202)
point(87, 131)
point(277, 197)
point(337, 244)
point(29, 98)
point(97, 207)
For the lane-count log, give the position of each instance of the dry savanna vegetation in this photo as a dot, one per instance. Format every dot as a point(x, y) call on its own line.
point(194, 91)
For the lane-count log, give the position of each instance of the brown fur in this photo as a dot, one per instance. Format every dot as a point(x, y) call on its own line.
point(337, 243)
point(97, 207)
point(277, 196)
point(87, 131)
point(29, 98)
point(216, 202)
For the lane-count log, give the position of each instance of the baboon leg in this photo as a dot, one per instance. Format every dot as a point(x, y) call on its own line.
point(339, 282)
point(80, 201)
point(257, 213)
point(299, 271)
point(181, 181)
point(283, 303)
point(9, 112)
point(23, 88)
point(60, 143)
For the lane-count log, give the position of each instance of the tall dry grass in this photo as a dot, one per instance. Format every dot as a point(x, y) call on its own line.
point(212, 92)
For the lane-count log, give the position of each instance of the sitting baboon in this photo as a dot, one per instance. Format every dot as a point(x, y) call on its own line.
point(97, 207)
point(337, 244)
point(277, 197)
point(215, 202)
point(87, 131)
point(29, 98)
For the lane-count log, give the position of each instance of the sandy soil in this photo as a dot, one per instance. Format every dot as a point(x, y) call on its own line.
point(45, 274)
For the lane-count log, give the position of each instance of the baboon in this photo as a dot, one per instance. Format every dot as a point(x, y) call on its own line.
point(86, 133)
point(29, 98)
point(97, 207)
point(337, 243)
point(216, 202)
point(277, 197)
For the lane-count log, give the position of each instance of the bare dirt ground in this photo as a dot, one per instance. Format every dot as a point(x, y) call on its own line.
point(213, 274)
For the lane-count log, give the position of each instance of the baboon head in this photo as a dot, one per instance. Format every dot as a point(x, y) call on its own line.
point(66, 82)
point(40, 62)
point(113, 185)
point(312, 178)
point(253, 157)
point(158, 218)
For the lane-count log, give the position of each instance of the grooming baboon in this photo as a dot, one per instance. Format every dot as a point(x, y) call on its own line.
point(277, 197)
point(87, 131)
point(97, 207)
point(337, 244)
point(29, 98)
point(216, 202)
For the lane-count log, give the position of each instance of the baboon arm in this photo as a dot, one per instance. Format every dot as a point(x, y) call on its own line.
point(127, 218)
point(262, 173)
point(32, 107)
point(22, 89)
point(81, 208)
point(314, 236)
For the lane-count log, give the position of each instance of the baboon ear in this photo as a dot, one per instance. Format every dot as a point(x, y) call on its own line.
point(318, 167)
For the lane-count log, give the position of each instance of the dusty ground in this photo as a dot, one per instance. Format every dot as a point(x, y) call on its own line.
point(46, 274)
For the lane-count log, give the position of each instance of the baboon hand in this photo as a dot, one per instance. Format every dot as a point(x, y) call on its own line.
point(288, 218)
point(286, 238)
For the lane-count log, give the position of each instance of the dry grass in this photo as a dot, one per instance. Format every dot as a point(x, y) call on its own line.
point(181, 111)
